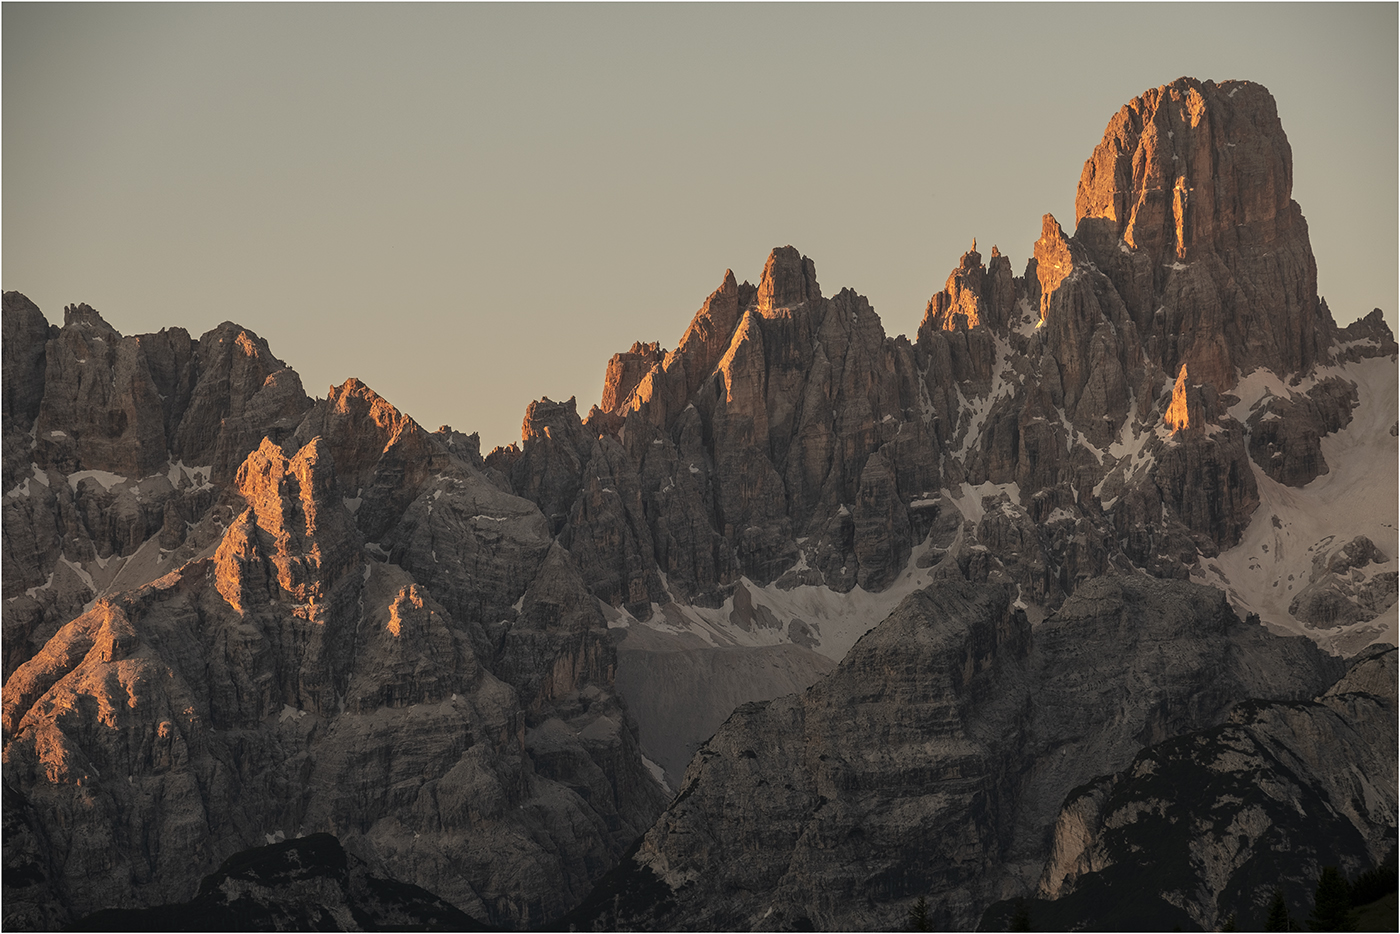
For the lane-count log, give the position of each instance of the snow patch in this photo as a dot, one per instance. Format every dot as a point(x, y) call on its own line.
point(658, 773)
point(835, 620)
point(33, 592)
point(197, 476)
point(104, 477)
point(1027, 318)
point(977, 410)
point(1357, 496)
point(83, 575)
point(968, 497)
point(290, 713)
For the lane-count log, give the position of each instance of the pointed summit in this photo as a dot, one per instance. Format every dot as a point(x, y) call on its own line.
point(1192, 166)
point(1187, 205)
point(789, 279)
point(86, 317)
point(1054, 260)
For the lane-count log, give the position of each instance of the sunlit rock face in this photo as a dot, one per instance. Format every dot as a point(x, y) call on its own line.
point(289, 679)
point(1195, 180)
point(116, 448)
point(233, 611)
point(625, 371)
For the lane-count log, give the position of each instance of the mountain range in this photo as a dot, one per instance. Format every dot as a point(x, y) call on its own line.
point(1097, 571)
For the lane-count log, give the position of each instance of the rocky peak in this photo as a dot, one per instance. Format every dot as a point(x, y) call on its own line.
point(1054, 260)
point(959, 305)
point(84, 316)
point(360, 426)
point(625, 370)
point(789, 279)
point(546, 419)
point(295, 539)
point(1366, 337)
point(100, 408)
point(25, 332)
point(382, 457)
point(974, 295)
point(244, 393)
point(1186, 206)
point(1190, 167)
point(554, 449)
point(707, 336)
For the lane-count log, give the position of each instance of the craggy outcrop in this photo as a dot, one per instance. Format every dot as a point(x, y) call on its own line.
point(1207, 826)
point(932, 762)
point(1187, 206)
point(290, 683)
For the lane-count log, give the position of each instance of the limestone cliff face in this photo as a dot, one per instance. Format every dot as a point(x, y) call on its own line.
point(933, 761)
point(125, 405)
point(625, 371)
point(1194, 180)
point(1271, 796)
point(26, 333)
point(739, 443)
point(292, 681)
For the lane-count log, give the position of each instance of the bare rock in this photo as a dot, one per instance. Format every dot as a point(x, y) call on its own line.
point(100, 409)
point(935, 757)
point(1365, 337)
point(243, 395)
point(789, 279)
point(1197, 178)
point(625, 371)
point(1343, 588)
point(285, 684)
point(25, 334)
point(881, 526)
point(1272, 795)
point(1285, 434)
point(383, 459)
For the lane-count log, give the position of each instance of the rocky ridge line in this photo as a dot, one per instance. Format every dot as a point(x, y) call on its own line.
point(787, 445)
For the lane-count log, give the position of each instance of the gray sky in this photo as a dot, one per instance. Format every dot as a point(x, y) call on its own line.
point(470, 207)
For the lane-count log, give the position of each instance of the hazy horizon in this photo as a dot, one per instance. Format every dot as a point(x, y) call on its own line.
point(471, 207)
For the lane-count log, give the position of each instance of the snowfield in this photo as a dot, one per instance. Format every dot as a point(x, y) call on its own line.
point(1357, 496)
